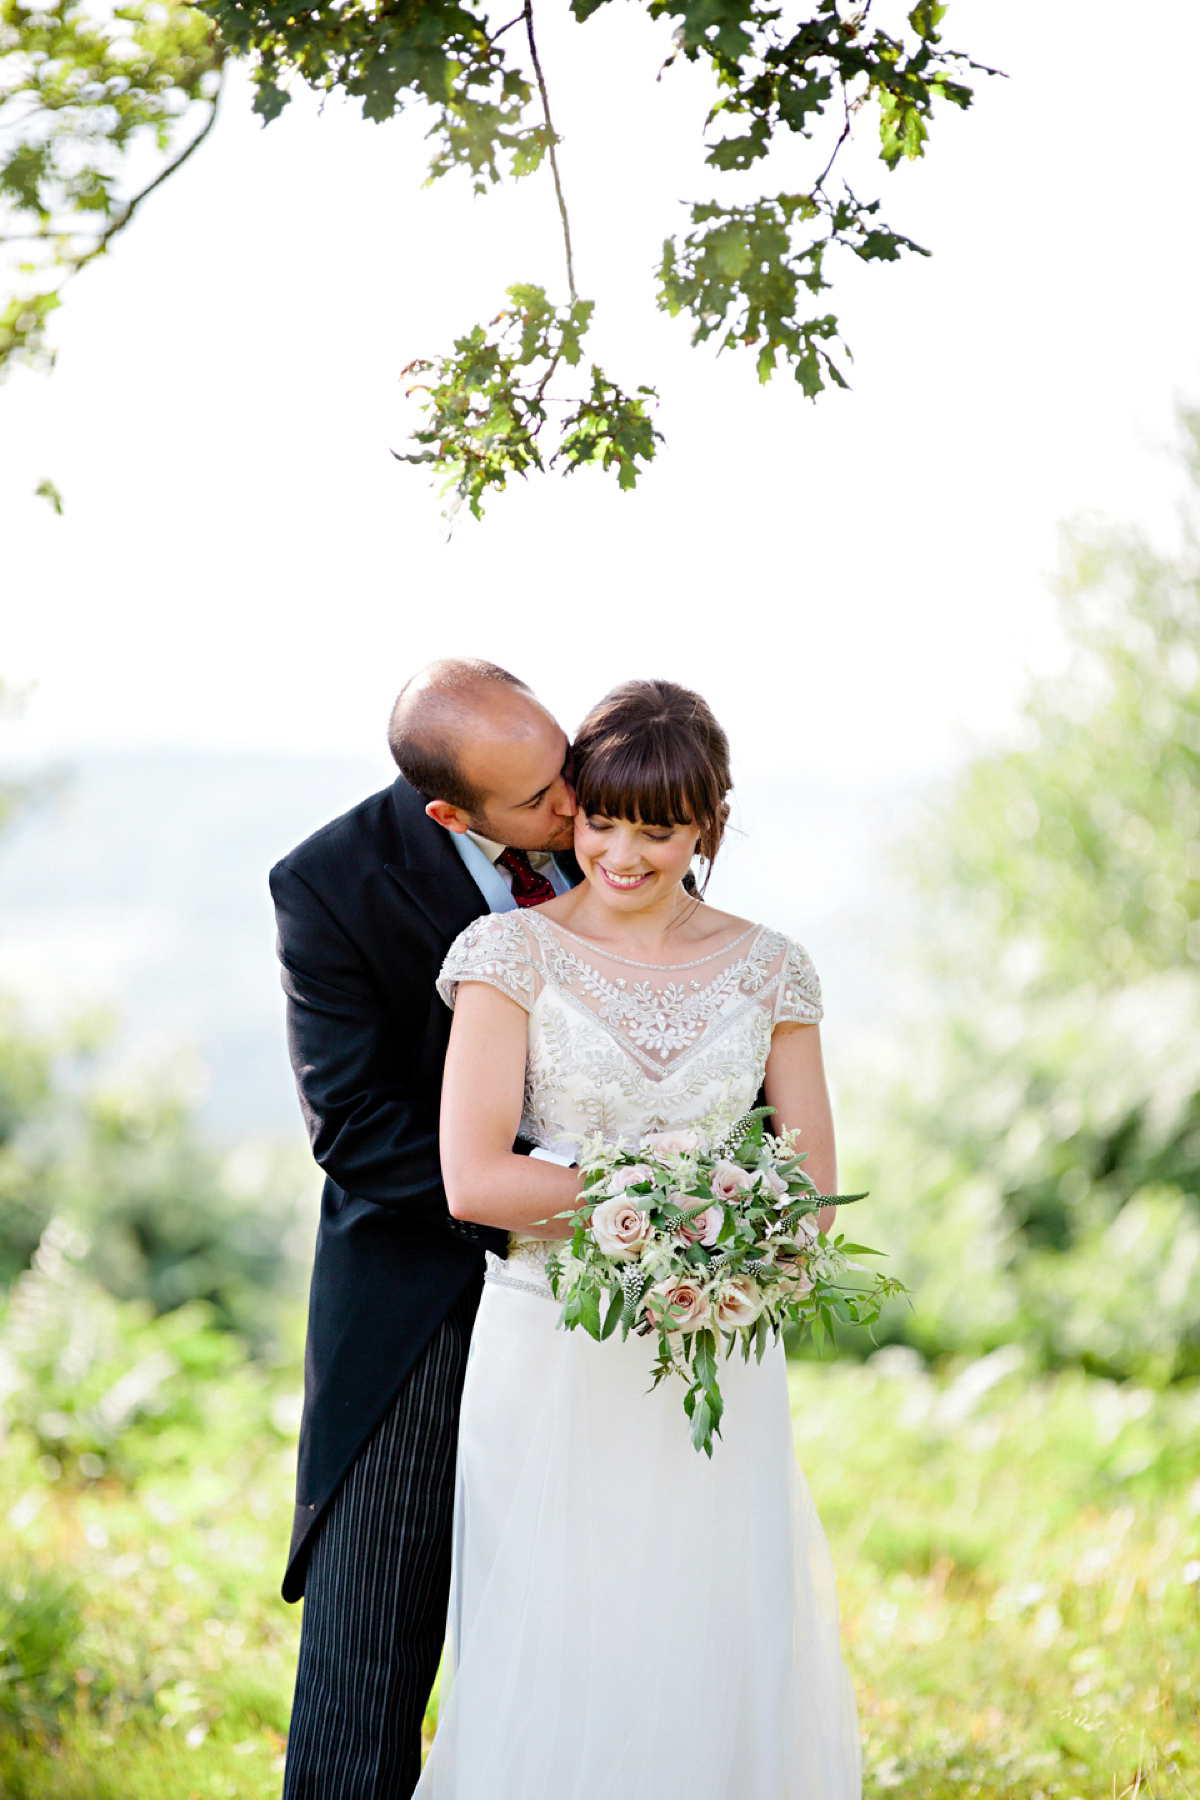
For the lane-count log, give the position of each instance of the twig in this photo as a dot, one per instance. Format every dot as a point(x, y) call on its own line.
point(75, 263)
point(845, 133)
point(122, 221)
point(497, 35)
point(553, 140)
point(544, 382)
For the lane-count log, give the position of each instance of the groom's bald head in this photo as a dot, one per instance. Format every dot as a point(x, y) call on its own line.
point(438, 713)
point(484, 752)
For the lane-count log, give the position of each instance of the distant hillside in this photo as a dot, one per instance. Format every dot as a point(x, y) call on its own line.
point(143, 885)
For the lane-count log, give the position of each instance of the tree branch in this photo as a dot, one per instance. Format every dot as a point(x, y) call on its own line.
point(553, 141)
point(845, 133)
point(123, 218)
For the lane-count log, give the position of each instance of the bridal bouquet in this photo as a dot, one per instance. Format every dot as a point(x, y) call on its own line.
point(703, 1236)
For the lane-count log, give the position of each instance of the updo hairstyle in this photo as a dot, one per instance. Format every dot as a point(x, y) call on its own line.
point(652, 751)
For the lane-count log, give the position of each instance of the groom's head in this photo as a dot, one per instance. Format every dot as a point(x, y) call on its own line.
point(484, 754)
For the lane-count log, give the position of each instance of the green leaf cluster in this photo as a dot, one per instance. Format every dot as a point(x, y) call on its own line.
point(80, 91)
point(79, 88)
point(486, 404)
point(434, 51)
point(743, 268)
point(743, 273)
point(781, 72)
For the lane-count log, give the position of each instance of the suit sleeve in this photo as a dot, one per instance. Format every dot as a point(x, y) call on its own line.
point(376, 1139)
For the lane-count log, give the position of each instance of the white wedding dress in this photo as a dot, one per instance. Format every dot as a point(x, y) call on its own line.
point(628, 1620)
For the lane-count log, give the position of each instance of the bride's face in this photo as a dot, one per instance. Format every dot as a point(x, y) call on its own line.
point(629, 865)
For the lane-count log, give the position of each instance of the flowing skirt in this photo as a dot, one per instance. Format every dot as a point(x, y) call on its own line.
point(628, 1620)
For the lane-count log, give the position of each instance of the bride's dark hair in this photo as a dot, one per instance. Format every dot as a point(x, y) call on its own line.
point(652, 751)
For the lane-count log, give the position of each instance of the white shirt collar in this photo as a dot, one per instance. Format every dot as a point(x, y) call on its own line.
point(538, 859)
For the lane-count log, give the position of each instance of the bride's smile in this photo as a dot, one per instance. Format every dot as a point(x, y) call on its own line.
point(627, 857)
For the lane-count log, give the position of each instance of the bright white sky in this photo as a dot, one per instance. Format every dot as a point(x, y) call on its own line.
point(241, 563)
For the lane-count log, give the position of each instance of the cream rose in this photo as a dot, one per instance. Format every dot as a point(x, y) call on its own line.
point(627, 1178)
point(739, 1304)
point(620, 1230)
point(806, 1229)
point(775, 1181)
point(678, 1304)
point(727, 1181)
point(673, 1143)
point(705, 1228)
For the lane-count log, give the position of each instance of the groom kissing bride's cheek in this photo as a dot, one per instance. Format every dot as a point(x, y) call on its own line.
point(496, 968)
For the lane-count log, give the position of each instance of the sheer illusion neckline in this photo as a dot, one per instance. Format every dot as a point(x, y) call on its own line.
point(628, 962)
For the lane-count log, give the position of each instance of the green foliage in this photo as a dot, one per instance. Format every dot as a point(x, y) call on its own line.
point(609, 427)
point(1046, 1136)
point(1016, 1563)
point(156, 1211)
point(24, 1094)
point(1017, 1567)
point(90, 1381)
point(40, 1627)
point(81, 92)
point(1086, 843)
point(744, 271)
point(746, 260)
point(1038, 1178)
point(486, 404)
point(145, 1487)
point(433, 51)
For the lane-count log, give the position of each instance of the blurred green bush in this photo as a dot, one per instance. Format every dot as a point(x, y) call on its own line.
point(167, 1218)
point(1037, 1165)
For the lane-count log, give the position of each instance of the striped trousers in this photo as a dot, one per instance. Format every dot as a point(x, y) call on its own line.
point(376, 1592)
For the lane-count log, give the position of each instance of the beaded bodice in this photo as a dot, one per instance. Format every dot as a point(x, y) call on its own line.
point(624, 1048)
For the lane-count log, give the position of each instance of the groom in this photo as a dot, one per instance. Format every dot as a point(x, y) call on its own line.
point(479, 820)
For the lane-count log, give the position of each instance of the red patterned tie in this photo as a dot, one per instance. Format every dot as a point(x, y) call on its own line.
point(528, 887)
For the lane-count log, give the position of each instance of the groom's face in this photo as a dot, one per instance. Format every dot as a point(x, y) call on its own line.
point(519, 759)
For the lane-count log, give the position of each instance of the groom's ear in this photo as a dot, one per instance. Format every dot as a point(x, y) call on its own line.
point(451, 817)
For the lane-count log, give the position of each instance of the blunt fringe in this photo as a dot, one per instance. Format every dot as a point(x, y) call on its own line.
point(652, 751)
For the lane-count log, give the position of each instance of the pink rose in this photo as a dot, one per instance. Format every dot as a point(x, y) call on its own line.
point(740, 1303)
point(796, 1277)
point(679, 1305)
point(620, 1230)
point(668, 1143)
point(627, 1178)
point(727, 1181)
point(705, 1228)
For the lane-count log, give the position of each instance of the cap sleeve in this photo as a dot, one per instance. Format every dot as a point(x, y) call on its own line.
point(492, 949)
point(798, 1001)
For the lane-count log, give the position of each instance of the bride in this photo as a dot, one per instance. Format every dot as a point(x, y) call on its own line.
point(628, 1621)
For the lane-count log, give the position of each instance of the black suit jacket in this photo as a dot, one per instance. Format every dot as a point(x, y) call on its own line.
point(367, 909)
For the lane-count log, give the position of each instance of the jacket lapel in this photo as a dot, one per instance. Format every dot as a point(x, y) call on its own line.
point(432, 873)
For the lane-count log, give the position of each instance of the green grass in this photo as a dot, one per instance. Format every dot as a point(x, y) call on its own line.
point(1017, 1565)
point(1017, 1572)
